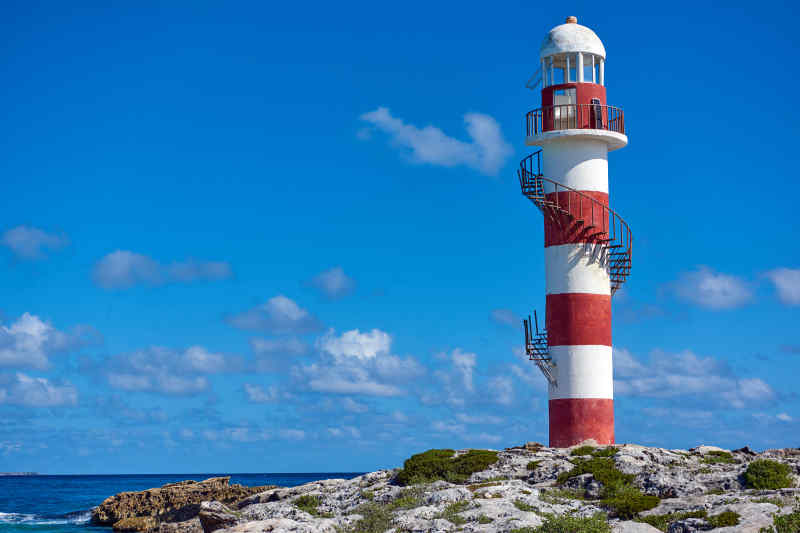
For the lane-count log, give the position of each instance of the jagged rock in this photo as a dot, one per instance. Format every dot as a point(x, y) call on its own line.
point(214, 516)
point(585, 483)
point(175, 502)
point(143, 524)
point(187, 526)
point(688, 525)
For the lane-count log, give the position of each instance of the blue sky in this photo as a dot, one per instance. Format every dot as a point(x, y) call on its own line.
point(261, 237)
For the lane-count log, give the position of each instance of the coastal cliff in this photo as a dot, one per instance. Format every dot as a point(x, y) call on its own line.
point(526, 489)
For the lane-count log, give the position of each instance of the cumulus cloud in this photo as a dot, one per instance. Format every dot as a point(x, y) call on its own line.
point(783, 417)
point(278, 315)
point(344, 431)
point(787, 283)
point(27, 242)
point(29, 342)
point(712, 290)
point(28, 391)
point(123, 269)
point(334, 283)
point(259, 394)
point(501, 390)
point(274, 355)
point(166, 371)
point(353, 406)
point(486, 153)
point(479, 419)
point(358, 363)
point(455, 380)
point(685, 374)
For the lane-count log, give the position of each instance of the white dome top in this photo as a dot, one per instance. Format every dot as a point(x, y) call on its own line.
point(571, 37)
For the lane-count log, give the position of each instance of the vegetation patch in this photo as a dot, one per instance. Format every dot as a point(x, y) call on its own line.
point(608, 451)
point(560, 496)
point(767, 474)
point(716, 457)
point(569, 524)
point(662, 521)
point(309, 504)
point(788, 523)
point(434, 465)
point(483, 519)
point(533, 465)
point(407, 499)
point(774, 501)
point(450, 513)
point(582, 450)
point(522, 506)
point(619, 495)
point(367, 494)
point(724, 519)
point(375, 518)
point(714, 492)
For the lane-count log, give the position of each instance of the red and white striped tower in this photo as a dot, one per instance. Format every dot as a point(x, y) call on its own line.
point(587, 245)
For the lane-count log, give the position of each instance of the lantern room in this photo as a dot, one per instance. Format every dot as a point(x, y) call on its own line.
point(572, 79)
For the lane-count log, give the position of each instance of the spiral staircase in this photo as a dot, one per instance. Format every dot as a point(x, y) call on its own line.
point(580, 218)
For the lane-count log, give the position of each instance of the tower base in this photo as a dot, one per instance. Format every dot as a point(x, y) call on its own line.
point(573, 420)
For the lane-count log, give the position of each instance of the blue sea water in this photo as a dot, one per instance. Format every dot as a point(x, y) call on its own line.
point(38, 504)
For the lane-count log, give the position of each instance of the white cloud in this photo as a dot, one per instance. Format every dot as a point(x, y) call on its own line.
point(273, 355)
point(27, 242)
point(27, 391)
point(501, 390)
point(505, 317)
point(487, 151)
point(293, 434)
point(456, 381)
point(358, 363)
point(278, 315)
point(345, 431)
point(28, 342)
point(259, 394)
point(787, 283)
point(708, 289)
point(685, 374)
point(167, 371)
point(353, 343)
point(479, 419)
point(334, 283)
point(448, 427)
point(353, 406)
point(123, 269)
point(783, 417)
point(489, 438)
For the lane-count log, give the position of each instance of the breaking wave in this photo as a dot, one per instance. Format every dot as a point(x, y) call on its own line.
point(76, 517)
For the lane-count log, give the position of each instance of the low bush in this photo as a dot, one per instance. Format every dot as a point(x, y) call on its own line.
point(483, 519)
point(788, 523)
point(766, 474)
point(522, 506)
point(559, 496)
point(309, 504)
point(608, 451)
point(407, 499)
point(602, 468)
point(582, 450)
point(375, 518)
point(532, 465)
point(434, 465)
point(718, 457)
point(662, 521)
point(626, 501)
point(569, 524)
point(450, 513)
point(724, 519)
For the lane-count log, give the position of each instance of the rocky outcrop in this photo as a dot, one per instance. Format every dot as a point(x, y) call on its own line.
point(519, 491)
point(177, 503)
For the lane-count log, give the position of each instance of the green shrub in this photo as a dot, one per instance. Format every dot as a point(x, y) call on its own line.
point(559, 496)
point(375, 518)
point(582, 450)
point(662, 521)
point(608, 451)
point(450, 513)
point(309, 504)
point(718, 457)
point(788, 523)
point(434, 465)
point(766, 474)
point(569, 524)
point(714, 492)
point(532, 465)
point(602, 468)
point(626, 501)
point(724, 519)
point(407, 499)
point(367, 494)
point(522, 506)
point(483, 519)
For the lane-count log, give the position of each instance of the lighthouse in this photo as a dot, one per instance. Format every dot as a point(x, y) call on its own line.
point(587, 245)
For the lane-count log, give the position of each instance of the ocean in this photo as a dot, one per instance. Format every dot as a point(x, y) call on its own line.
point(61, 504)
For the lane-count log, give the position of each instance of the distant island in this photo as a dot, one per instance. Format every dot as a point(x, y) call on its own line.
point(19, 473)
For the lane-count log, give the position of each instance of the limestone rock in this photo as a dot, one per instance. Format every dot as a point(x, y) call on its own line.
point(143, 524)
point(214, 516)
point(633, 527)
point(175, 502)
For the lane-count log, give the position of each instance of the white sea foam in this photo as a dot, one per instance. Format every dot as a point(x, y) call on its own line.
point(78, 517)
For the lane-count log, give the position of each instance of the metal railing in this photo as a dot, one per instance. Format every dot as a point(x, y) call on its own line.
point(580, 218)
point(537, 348)
point(575, 116)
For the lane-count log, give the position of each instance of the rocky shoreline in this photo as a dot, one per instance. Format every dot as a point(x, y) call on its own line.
point(526, 489)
